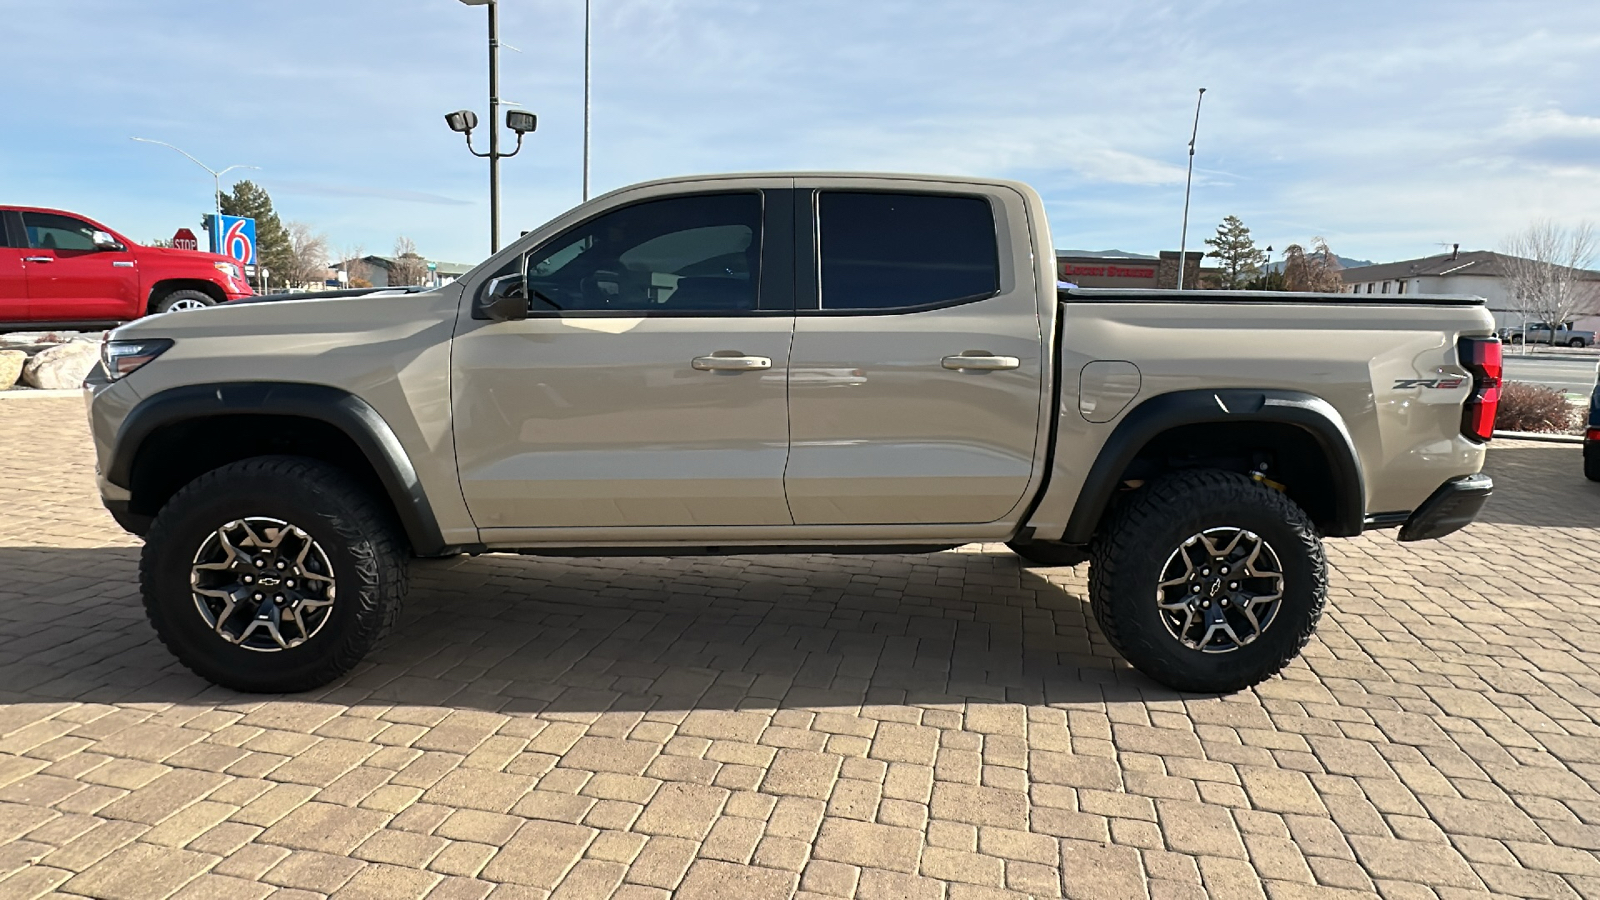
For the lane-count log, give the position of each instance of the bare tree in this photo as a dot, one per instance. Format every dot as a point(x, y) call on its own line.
point(1545, 267)
point(307, 258)
point(358, 274)
point(408, 267)
point(1315, 270)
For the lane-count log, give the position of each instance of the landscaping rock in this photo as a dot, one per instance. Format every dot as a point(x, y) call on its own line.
point(61, 367)
point(11, 362)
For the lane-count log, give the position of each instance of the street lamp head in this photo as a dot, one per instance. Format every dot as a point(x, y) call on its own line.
point(462, 121)
point(521, 121)
point(478, 2)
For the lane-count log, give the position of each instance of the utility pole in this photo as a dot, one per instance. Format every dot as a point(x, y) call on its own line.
point(1183, 240)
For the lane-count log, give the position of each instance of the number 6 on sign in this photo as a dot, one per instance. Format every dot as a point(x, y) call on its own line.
point(238, 242)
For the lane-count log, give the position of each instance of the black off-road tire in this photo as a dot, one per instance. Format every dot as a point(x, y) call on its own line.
point(168, 301)
point(1049, 555)
point(368, 561)
point(1142, 535)
point(1591, 460)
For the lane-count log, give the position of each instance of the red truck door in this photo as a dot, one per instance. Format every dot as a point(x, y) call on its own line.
point(13, 277)
point(69, 279)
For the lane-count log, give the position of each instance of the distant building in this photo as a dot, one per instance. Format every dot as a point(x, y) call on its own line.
point(375, 269)
point(1476, 273)
point(1092, 270)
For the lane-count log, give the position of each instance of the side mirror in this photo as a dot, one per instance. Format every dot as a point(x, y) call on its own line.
point(504, 300)
point(104, 241)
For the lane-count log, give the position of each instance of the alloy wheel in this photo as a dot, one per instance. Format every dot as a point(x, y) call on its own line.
point(1220, 590)
point(262, 584)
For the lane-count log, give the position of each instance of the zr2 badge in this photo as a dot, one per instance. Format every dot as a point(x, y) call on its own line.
point(1436, 383)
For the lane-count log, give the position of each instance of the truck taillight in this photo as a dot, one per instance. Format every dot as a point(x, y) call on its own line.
point(1481, 357)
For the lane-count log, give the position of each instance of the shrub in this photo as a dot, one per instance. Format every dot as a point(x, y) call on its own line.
point(1534, 407)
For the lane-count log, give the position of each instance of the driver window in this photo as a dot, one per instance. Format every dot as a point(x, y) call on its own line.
point(680, 254)
point(48, 231)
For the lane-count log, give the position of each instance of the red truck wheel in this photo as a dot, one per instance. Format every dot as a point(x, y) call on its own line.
point(177, 301)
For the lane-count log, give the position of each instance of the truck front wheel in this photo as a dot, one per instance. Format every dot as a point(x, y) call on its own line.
point(1208, 581)
point(272, 574)
point(178, 301)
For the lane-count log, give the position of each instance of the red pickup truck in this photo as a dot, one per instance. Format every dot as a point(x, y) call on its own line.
point(64, 270)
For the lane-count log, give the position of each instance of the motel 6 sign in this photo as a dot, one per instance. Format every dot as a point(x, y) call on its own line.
point(235, 239)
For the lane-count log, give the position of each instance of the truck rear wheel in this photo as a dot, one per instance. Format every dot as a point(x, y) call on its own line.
point(1208, 581)
point(273, 574)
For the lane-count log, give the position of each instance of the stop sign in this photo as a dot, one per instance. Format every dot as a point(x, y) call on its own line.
point(184, 239)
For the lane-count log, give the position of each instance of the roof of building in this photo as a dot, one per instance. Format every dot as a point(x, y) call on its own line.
point(1472, 262)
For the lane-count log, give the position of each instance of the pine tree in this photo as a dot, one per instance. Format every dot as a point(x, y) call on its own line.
point(273, 248)
point(1237, 250)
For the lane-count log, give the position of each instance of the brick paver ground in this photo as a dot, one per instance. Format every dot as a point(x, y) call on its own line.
point(941, 726)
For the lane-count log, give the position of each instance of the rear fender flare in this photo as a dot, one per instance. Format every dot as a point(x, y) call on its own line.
point(1307, 412)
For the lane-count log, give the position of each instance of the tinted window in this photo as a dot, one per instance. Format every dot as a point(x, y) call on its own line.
point(48, 231)
point(682, 254)
point(882, 251)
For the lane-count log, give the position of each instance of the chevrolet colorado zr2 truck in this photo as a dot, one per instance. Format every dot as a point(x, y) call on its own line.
point(785, 363)
point(63, 270)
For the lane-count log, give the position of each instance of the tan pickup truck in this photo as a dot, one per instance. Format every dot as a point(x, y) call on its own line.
point(785, 363)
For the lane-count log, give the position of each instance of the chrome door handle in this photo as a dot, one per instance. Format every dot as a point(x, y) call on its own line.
point(731, 363)
point(38, 259)
point(981, 362)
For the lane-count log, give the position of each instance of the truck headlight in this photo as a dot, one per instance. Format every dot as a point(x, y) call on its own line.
point(229, 269)
point(121, 358)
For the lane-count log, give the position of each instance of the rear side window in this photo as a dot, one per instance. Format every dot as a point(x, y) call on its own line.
point(891, 251)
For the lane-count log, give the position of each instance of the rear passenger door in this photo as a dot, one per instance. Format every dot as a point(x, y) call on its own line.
point(916, 372)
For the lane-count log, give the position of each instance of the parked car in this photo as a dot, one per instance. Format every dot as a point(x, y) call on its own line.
point(785, 364)
point(1565, 336)
point(1591, 439)
point(64, 270)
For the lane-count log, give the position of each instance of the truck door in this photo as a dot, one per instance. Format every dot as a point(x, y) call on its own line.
point(13, 277)
point(648, 386)
point(70, 280)
point(915, 380)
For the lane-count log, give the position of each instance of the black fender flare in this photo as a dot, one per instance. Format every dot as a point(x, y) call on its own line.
point(1307, 412)
point(339, 408)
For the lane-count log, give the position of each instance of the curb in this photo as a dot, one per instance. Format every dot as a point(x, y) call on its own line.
point(35, 393)
point(1540, 436)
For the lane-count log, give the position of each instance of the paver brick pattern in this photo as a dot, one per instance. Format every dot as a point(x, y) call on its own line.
point(949, 725)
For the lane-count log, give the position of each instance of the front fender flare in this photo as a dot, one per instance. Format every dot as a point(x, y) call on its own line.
point(341, 409)
point(1308, 412)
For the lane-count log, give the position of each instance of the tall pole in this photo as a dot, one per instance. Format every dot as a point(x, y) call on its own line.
point(586, 45)
point(494, 127)
point(1183, 240)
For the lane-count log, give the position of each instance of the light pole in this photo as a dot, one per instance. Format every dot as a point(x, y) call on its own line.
point(1266, 270)
point(586, 20)
point(216, 180)
point(463, 121)
point(1183, 240)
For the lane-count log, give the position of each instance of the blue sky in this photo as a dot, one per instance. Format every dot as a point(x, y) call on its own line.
point(1389, 127)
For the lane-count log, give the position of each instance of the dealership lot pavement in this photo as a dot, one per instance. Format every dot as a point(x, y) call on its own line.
point(944, 726)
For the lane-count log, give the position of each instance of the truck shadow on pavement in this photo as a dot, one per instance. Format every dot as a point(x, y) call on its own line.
point(581, 637)
point(1542, 486)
